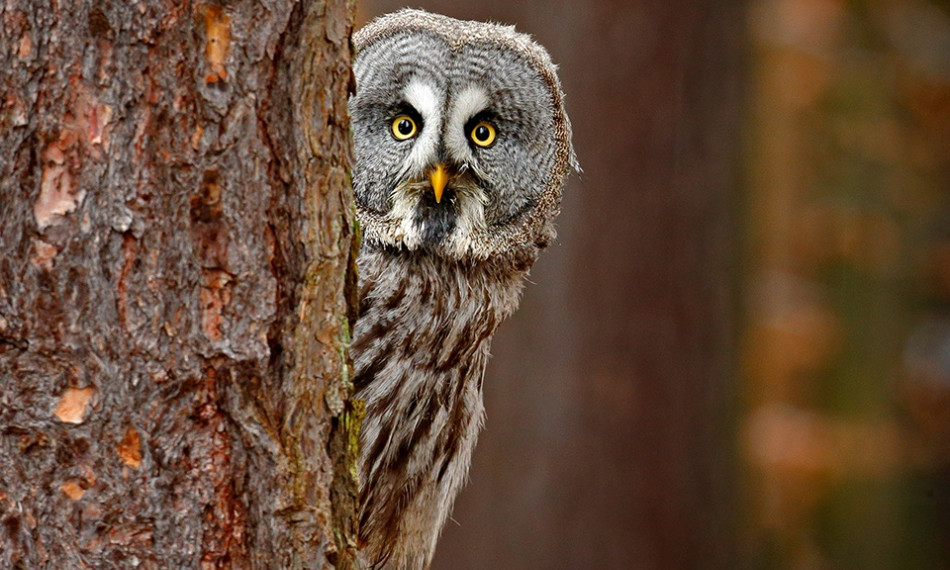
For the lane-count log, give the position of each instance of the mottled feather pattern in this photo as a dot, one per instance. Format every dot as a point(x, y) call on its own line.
point(420, 353)
point(440, 272)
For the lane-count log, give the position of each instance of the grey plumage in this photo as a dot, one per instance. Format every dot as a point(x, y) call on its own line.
point(479, 107)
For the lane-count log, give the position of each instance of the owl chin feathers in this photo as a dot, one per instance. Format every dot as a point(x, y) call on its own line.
point(449, 227)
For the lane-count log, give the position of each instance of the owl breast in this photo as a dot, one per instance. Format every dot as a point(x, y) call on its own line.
point(420, 351)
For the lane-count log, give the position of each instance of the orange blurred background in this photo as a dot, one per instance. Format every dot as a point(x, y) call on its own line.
point(738, 354)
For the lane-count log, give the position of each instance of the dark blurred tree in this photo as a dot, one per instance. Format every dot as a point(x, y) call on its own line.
point(848, 381)
point(176, 241)
point(608, 441)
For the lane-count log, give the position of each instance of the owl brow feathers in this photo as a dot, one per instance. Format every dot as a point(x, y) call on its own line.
point(462, 146)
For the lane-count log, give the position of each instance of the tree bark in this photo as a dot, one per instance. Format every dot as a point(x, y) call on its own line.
point(176, 285)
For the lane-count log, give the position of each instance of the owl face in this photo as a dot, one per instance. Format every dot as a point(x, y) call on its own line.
point(456, 136)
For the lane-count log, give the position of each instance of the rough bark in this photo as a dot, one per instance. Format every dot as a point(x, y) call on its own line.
point(176, 255)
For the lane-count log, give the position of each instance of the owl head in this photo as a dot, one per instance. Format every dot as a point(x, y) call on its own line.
point(461, 139)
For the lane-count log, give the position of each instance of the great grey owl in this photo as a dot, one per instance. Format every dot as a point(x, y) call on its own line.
point(462, 146)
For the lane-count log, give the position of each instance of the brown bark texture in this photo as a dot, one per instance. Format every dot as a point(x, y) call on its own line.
point(176, 269)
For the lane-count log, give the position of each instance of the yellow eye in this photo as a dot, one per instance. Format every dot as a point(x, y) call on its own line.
point(483, 134)
point(404, 128)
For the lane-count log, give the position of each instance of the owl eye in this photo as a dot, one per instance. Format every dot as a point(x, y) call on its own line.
point(483, 134)
point(404, 128)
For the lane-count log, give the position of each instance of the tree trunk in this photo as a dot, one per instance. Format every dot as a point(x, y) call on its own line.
point(176, 254)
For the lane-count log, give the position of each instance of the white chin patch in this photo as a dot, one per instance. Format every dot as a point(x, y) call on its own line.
point(401, 218)
point(470, 222)
point(469, 203)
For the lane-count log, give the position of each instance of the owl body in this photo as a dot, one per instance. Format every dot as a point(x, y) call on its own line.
point(421, 351)
point(462, 146)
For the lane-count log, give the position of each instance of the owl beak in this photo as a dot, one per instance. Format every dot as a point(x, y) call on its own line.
point(439, 177)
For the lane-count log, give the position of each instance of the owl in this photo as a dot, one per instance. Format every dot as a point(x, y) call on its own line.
point(462, 146)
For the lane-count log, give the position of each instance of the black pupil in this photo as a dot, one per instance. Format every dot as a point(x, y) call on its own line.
point(482, 133)
point(405, 127)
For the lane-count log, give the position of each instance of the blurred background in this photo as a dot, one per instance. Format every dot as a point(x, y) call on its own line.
point(738, 354)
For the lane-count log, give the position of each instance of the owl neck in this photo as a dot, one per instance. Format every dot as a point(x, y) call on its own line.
point(420, 348)
point(500, 276)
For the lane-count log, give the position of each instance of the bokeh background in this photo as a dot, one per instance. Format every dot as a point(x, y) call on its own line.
point(738, 354)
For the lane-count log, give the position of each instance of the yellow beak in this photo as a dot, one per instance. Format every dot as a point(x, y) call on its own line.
point(439, 177)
